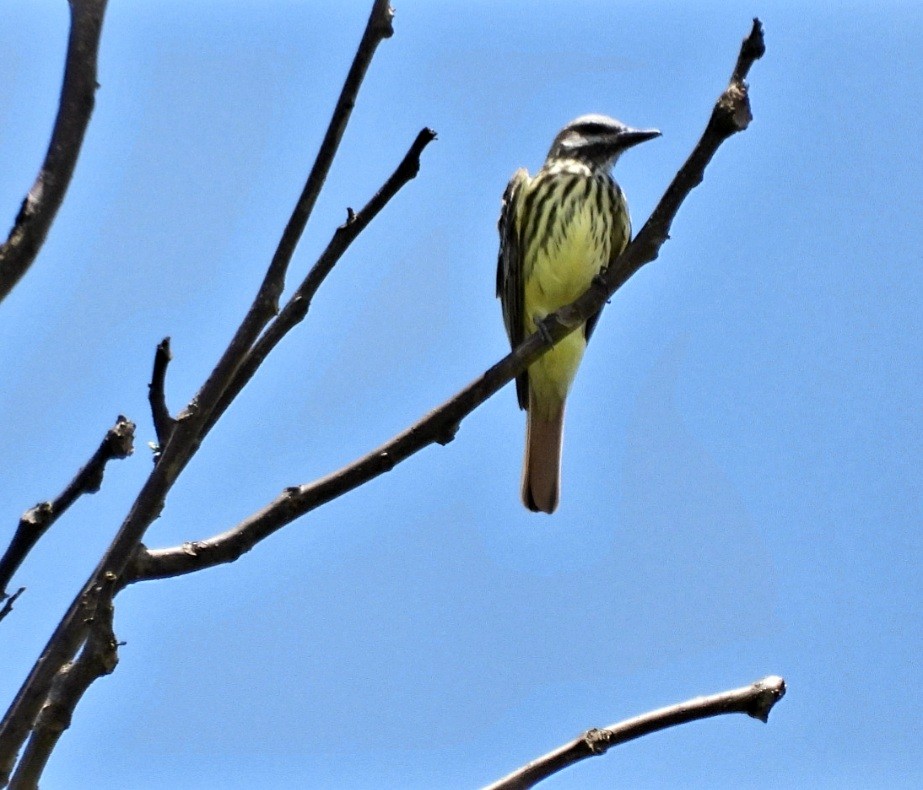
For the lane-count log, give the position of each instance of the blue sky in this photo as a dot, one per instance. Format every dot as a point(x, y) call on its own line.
point(741, 491)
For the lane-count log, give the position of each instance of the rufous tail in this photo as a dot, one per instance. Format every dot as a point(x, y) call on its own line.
point(541, 472)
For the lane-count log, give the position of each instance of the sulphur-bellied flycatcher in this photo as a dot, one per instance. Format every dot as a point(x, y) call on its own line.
point(557, 231)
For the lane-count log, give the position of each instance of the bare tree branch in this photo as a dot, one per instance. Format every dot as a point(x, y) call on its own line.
point(731, 114)
point(40, 206)
point(193, 423)
point(755, 700)
point(297, 307)
point(378, 28)
point(266, 303)
point(163, 422)
point(10, 600)
point(97, 659)
point(36, 521)
point(751, 50)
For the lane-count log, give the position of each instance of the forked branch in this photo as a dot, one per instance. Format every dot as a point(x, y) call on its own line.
point(193, 423)
point(266, 303)
point(297, 307)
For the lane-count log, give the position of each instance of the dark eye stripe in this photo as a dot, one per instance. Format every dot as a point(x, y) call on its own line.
point(592, 128)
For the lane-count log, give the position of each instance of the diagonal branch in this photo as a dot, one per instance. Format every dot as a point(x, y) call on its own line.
point(297, 307)
point(36, 521)
point(756, 700)
point(192, 424)
point(97, 659)
point(378, 28)
point(41, 205)
point(266, 303)
point(293, 313)
point(731, 114)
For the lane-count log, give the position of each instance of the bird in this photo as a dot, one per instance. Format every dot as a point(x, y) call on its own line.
point(558, 230)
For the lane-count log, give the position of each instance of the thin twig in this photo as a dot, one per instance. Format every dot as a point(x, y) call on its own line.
point(163, 421)
point(751, 50)
point(78, 90)
point(36, 521)
point(755, 700)
point(9, 601)
point(192, 424)
point(97, 659)
point(378, 28)
point(730, 114)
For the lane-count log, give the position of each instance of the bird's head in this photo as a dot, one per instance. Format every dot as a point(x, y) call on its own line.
point(597, 140)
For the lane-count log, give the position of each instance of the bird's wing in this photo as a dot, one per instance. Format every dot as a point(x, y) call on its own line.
point(509, 272)
point(621, 235)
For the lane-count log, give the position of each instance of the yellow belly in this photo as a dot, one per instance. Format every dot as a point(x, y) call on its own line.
point(560, 271)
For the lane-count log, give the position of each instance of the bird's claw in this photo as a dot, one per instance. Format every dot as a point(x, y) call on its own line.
point(543, 330)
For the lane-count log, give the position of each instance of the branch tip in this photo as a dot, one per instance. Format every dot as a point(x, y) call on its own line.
point(36, 521)
point(769, 691)
point(9, 600)
point(157, 396)
point(383, 16)
point(752, 48)
point(120, 438)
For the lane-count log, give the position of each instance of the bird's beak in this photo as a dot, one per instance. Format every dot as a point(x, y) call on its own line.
point(631, 137)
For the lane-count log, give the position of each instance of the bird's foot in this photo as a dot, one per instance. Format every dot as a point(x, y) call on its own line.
point(542, 328)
